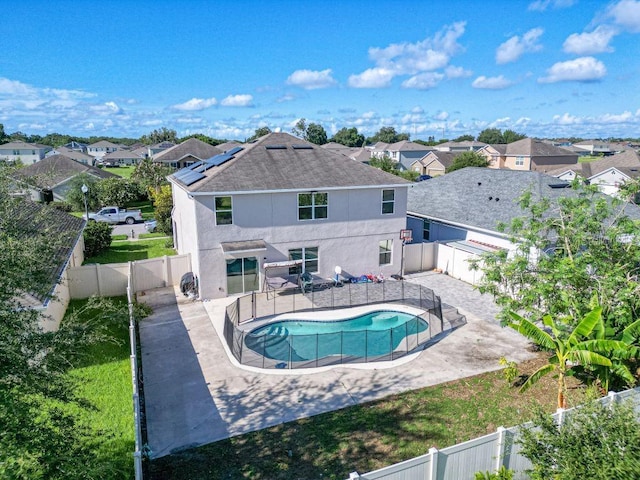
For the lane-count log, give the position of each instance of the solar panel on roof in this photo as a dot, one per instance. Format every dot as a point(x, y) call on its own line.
point(193, 166)
point(234, 150)
point(191, 178)
point(276, 147)
point(181, 173)
point(218, 160)
point(302, 147)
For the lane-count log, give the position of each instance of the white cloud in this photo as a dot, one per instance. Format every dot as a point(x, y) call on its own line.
point(311, 79)
point(423, 81)
point(14, 87)
point(442, 116)
point(583, 69)
point(617, 118)
point(196, 104)
point(457, 72)
point(516, 46)
point(542, 5)
point(626, 13)
point(417, 110)
point(491, 83)
point(113, 106)
point(287, 97)
point(405, 58)
point(371, 78)
point(591, 42)
point(237, 101)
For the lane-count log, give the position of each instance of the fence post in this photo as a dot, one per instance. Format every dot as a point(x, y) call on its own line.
point(613, 398)
point(560, 412)
point(433, 466)
point(354, 476)
point(502, 432)
point(165, 271)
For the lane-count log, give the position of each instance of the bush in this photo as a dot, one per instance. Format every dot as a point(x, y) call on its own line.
point(97, 238)
point(63, 206)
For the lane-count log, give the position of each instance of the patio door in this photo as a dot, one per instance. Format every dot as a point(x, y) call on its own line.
point(242, 275)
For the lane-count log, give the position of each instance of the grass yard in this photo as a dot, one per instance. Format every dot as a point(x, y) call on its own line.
point(368, 436)
point(124, 172)
point(146, 208)
point(589, 158)
point(124, 251)
point(105, 382)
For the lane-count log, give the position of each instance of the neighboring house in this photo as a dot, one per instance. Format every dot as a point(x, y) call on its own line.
point(434, 163)
point(594, 147)
point(68, 230)
point(361, 154)
point(55, 174)
point(27, 153)
point(76, 146)
point(465, 146)
point(226, 146)
point(528, 154)
point(76, 155)
point(158, 147)
point(403, 152)
point(461, 211)
point(101, 148)
point(608, 173)
point(186, 153)
point(283, 199)
point(121, 158)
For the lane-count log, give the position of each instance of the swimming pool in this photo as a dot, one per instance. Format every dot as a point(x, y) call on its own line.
point(365, 337)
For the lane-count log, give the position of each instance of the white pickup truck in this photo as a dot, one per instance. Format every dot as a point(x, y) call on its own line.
point(116, 215)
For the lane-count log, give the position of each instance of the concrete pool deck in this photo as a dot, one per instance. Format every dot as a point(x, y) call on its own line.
point(195, 394)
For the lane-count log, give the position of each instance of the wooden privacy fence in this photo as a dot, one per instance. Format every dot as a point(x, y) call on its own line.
point(112, 279)
point(481, 454)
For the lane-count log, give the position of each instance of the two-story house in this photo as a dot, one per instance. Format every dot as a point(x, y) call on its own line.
point(27, 153)
point(101, 148)
point(280, 199)
point(528, 154)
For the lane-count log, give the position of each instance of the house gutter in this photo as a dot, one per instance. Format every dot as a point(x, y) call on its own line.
point(461, 225)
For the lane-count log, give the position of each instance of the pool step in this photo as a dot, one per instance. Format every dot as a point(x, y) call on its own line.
point(452, 318)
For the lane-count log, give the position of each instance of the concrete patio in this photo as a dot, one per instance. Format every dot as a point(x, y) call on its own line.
point(195, 394)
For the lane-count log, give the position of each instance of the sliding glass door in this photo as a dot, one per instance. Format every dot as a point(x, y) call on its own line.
point(242, 275)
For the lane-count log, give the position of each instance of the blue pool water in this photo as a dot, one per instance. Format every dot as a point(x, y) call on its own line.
point(373, 334)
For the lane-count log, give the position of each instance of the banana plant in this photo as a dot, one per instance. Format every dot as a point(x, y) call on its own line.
point(574, 349)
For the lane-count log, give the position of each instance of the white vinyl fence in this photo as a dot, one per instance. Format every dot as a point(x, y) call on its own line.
point(455, 263)
point(419, 257)
point(488, 453)
point(112, 279)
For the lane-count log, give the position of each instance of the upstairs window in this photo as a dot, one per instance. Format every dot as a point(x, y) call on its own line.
point(388, 201)
point(313, 205)
point(224, 211)
point(520, 161)
point(426, 230)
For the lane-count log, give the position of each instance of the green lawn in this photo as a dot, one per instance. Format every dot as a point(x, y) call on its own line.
point(105, 382)
point(126, 251)
point(589, 158)
point(146, 208)
point(124, 172)
point(368, 436)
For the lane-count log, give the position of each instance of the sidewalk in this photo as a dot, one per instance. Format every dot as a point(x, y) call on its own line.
point(195, 394)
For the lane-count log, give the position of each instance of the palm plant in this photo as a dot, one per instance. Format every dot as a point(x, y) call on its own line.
point(584, 347)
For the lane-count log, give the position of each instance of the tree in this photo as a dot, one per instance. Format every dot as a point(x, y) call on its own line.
point(388, 135)
point(510, 136)
point(313, 132)
point(119, 191)
point(582, 245)
point(464, 138)
point(571, 349)
point(202, 138)
point(386, 164)
point(163, 203)
point(97, 238)
point(467, 159)
point(260, 132)
point(349, 137)
point(162, 135)
point(594, 441)
point(151, 175)
point(75, 197)
point(495, 136)
point(3, 136)
point(40, 435)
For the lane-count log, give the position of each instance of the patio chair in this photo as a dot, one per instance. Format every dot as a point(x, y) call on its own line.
point(306, 282)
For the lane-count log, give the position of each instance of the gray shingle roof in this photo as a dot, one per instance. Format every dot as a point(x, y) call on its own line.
point(626, 162)
point(536, 148)
point(273, 163)
point(20, 145)
point(193, 147)
point(53, 170)
point(483, 197)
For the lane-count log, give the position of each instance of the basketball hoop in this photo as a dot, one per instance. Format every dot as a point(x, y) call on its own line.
point(406, 235)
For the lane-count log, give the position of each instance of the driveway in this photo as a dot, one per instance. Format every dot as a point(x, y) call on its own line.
point(195, 394)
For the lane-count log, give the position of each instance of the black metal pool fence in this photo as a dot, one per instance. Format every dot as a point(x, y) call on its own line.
point(277, 351)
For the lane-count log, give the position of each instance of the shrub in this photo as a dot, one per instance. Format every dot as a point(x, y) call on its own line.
point(97, 238)
point(63, 206)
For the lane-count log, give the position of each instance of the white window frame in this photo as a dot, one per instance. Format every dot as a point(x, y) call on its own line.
point(314, 207)
point(304, 258)
point(387, 245)
point(520, 161)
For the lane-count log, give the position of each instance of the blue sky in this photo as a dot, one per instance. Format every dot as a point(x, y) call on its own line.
point(546, 68)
